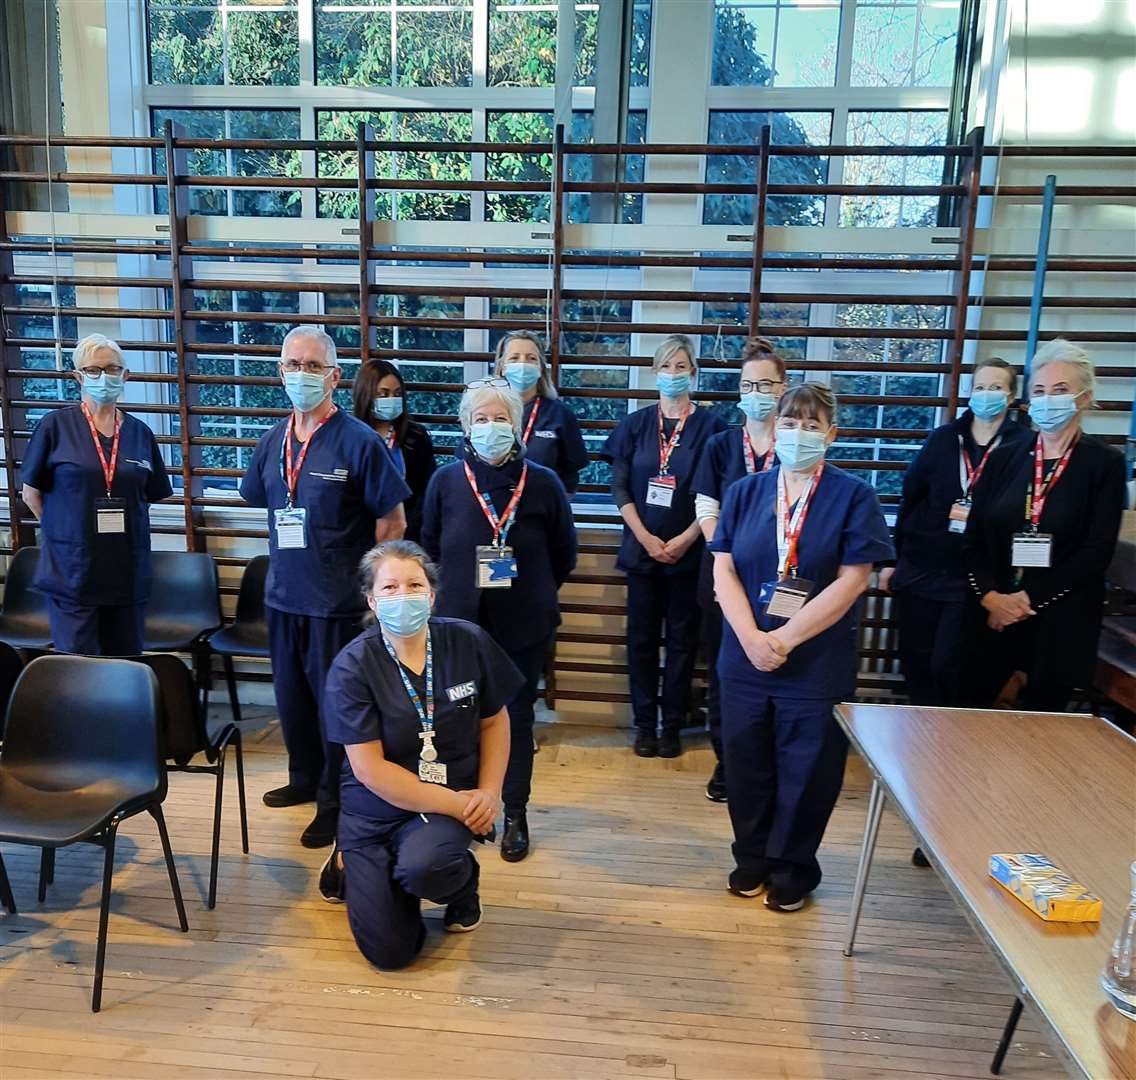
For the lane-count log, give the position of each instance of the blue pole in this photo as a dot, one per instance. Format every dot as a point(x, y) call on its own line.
point(1048, 197)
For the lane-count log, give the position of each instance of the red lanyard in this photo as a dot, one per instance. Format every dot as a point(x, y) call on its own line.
point(789, 530)
point(108, 469)
point(532, 422)
point(667, 446)
point(1042, 490)
point(749, 454)
point(500, 525)
point(973, 474)
point(292, 475)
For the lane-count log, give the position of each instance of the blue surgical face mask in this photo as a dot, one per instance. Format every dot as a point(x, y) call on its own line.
point(305, 391)
point(671, 385)
point(522, 377)
point(798, 449)
point(987, 404)
point(756, 405)
point(387, 408)
point(403, 615)
point(493, 440)
point(103, 389)
point(1052, 412)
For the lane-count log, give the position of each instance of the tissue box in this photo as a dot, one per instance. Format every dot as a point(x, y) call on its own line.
point(1044, 888)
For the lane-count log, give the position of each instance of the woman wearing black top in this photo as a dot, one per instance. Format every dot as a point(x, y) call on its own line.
point(1041, 535)
point(929, 579)
point(379, 400)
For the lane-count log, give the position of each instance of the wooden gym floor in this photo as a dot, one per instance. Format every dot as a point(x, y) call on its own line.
point(613, 951)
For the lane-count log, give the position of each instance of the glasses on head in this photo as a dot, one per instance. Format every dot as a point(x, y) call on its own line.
point(490, 380)
point(110, 369)
point(793, 423)
point(762, 386)
point(308, 367)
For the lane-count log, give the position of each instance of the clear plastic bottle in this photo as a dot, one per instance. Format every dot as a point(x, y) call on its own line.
point(1119, 975)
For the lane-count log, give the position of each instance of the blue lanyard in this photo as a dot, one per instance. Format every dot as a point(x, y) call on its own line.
point(425, 715)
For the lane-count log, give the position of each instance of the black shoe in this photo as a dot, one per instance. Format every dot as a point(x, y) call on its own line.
point(919, 859)
point(716, 787)
point(321, 831)
point(780, 898)
point(515, 842)
point(331, 878)
point(464, 914)
point(669, 744)
point(747, 882)
point(289, 795)
point(646, 743)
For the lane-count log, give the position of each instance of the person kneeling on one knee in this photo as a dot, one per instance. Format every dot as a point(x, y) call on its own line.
point(419, 704)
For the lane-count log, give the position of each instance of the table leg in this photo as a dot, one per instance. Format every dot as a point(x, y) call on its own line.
point(871, 831)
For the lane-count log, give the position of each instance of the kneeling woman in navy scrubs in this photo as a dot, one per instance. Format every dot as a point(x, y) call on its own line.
point(501, 527)
point(89, 475)
point(418, 703)
point(793, 552)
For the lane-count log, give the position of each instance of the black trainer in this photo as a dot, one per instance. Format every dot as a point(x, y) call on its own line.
point(289, 795)
point(716, 786)
point(646, 743)
point(746, 882)
point(919, 859)
point(515, 841)
point(464, 914)
point(321, 830)
point(331, 878)
point(670, 746)
point(780, 898)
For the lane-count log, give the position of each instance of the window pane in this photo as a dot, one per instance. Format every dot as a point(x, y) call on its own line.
point(806, 45)
point(522, 43)
point(186, 44)
point(264, 48)
point(808, 129)
point(743, 45)
point(775, 43)
point(587, 24)
point(195, 124)
point(904, 43)
point(518, 127)
point(434, 48)
point(641, 43)
point(353, 48)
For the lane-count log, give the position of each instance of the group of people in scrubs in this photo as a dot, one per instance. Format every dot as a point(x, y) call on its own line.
point(414, 735)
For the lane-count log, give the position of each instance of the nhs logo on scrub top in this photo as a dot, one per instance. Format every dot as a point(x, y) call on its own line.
point(462, 690)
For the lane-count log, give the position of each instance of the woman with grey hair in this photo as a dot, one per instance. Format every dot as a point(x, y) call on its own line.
point(89, 474)
point(1039, 541)
point(653, 455)
point(549, 430)
point(501, 528)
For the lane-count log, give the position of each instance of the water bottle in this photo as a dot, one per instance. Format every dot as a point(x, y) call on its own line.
point(1119, 975)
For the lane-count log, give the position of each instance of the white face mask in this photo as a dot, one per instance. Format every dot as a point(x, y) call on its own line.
point(798, 449)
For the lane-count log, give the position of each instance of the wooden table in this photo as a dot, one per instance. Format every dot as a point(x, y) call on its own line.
point(974, 782)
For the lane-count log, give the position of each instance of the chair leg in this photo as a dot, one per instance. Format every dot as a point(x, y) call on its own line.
point(6, 897)
point(104, 915)
point(46, 871)
point(51, 866)
point(216, 854)
point(1007, 1036)
point(231, 681)
point(238, 747)
point(159, 817)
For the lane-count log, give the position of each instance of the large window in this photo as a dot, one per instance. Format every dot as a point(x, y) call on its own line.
point(775, 43)
point(904, 42)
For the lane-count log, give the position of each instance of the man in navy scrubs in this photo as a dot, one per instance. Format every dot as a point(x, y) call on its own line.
point(331, 490)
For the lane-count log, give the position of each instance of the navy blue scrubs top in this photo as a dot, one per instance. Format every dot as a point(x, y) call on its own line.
point(722, 464)
point(77, 563)
point(543, 539)
point(635, 443)
point(845, 526)
point(556, 441)
point(347, 482)
point(365, 701)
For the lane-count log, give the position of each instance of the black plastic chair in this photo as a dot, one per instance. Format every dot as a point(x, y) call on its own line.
point(184, 607)
point(11, 664)
point(23, 617)
point(81, 756)
point(186, 735)
point(247, 635)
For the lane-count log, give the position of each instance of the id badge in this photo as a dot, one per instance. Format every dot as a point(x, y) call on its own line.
point(1032, 550)
point(110, 516)
point(496, 567)
point(291, 528)
point(783, 599)
point(661, 491)
point(960, 511)
point(431, 772)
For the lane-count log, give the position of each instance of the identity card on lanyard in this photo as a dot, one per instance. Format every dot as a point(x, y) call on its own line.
point(396, 453)
point(1034, 549)
point(786, 596)
point(969, 475)
point(110, 513)
point(749, 455)
point(430, 769)
point(292, 521)
point(661, 489)
point(496, 563)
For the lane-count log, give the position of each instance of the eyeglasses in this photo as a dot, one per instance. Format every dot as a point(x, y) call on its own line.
point(308, 367)
point(95, 372)
point(490, 381)
point(762, 386)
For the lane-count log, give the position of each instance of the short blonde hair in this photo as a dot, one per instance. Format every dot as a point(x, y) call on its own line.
point(1060, 351)
point(476, 396)
point(544, 385)
point(85, 350)
point(675, 343)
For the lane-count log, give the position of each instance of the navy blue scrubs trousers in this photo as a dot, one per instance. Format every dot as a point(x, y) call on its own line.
point(930, 632)
point(661, 605)
point(711, 645)
point(302, 649)
point(530, 663)
point(784, 761)
point(386, 881)
point(107, 630)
